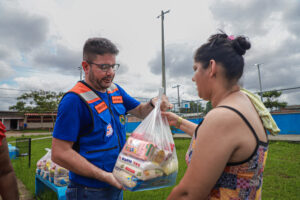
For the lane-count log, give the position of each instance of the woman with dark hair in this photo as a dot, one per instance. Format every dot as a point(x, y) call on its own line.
point(227, 154)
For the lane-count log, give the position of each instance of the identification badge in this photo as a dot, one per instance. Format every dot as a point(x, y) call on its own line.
point(117, 99)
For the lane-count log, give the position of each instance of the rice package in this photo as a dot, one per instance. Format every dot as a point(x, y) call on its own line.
point(148, 159)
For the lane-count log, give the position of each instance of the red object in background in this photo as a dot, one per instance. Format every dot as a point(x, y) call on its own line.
point(2, 131)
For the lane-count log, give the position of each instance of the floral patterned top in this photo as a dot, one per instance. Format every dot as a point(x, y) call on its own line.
point(239, 180)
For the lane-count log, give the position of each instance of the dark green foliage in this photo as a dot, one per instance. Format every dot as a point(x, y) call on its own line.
point(271, 100)
point(37, 101)
point(208, 107)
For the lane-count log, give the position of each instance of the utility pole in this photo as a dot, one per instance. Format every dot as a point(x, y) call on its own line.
point(163, 49)
point(177, 94)
point(260, 87)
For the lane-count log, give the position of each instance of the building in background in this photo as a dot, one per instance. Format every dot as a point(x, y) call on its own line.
point(12, 120)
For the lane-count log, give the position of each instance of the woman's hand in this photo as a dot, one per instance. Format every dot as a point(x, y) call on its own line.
point(171, 117)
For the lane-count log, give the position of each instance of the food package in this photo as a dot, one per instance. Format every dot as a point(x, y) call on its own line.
point(127, 180)
point(51, 171)
point(61, 176)
point(143, 174)
point(148, 159)
point(138, 148)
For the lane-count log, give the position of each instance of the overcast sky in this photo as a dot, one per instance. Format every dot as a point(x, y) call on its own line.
point(41, 43)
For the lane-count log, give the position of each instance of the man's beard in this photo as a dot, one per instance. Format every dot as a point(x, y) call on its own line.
point(99, 84)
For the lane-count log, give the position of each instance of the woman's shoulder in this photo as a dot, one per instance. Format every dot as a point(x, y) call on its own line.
point(223, 123)
point(222, 114)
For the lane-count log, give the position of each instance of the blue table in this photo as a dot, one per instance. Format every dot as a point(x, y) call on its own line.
point(41, 184)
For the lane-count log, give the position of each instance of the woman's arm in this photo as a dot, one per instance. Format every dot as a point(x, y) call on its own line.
point(215, 144)
point(180, 123)
point(8, 181)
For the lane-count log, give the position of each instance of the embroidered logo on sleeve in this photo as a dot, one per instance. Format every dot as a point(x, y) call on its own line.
point(122, 119)
point(117, 99)
point(101, 107)
point(109, 130)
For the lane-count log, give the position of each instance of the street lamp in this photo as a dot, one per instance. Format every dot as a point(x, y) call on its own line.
point(163, 49)
point(258, 64)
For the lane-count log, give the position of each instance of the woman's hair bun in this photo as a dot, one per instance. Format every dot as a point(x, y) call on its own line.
point(241, 44)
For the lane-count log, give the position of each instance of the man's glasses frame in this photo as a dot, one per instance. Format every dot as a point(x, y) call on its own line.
point(105, 67)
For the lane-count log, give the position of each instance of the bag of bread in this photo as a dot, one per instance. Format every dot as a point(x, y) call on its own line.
point(148, 159)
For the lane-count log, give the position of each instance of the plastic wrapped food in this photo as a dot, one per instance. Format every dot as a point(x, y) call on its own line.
point(138, 148)
point(148, 160)
point(51, 171)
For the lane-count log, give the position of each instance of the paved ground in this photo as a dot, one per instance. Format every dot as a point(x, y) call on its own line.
point(23, 192)
point(19, 134)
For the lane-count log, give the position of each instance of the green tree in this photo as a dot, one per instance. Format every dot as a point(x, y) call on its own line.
point(208, 107)
point(194, 107)
point(37, 101)
point(271, 101)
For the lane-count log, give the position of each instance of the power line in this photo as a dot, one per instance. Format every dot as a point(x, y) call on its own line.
point(283, 89)
point(8, 97)
point(14, 89)
point(293, 88)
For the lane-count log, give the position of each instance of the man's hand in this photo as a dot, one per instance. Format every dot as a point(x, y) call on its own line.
point(165, 104)
point(64, 155)
point(110, 179)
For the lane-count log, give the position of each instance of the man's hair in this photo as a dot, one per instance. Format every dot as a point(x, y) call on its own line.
point(98, 46)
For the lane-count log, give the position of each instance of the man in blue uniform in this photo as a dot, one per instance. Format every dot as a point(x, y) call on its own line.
point(90, 128)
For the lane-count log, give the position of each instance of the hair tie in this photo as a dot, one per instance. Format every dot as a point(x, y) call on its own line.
point(231, 37)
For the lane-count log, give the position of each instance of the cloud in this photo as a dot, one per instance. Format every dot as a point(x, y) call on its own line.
point(21, 30)
point(47, 81)
point(291, 17)
point(178, 60)
point(249, 17)
point(4, 53)
point(179, 69)
point(6, 71)
point(273, 28)
point(60, 58)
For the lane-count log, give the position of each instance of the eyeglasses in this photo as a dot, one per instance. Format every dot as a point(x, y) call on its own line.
point(106, 67)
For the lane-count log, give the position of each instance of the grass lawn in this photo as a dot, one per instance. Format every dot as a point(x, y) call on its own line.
point(281, 176)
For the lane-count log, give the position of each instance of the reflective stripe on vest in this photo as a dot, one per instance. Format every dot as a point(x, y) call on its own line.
point(89, 95)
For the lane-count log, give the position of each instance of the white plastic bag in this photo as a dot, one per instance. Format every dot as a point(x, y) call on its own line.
point(51, 171)
point(148, 160)
point(43, 165)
